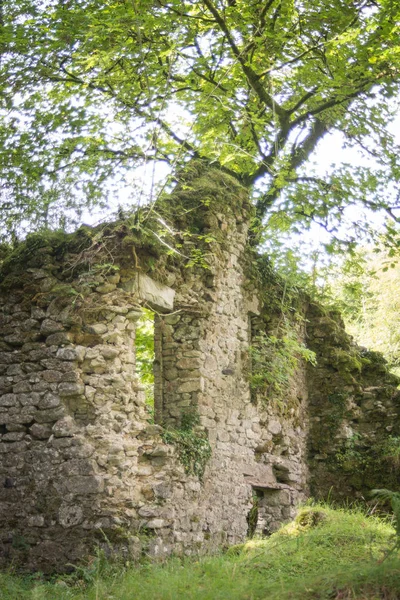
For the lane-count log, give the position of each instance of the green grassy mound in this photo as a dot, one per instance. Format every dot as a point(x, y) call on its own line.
point(323, 554)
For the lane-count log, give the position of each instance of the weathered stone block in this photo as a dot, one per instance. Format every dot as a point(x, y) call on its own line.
point(49, 326)
point(163, 490)
point(97, 328)
point(52, 376)
point(70, 515)
point(37, 313)
point(15, 371)
point(41, 431)
point(50, 415)
point(274, 427)
point(188, 363)
point(30, 324)
point(157, 523)
point(57, 339)
point(186, 332)
point(6, 358)
point(172, 319)
point(71, 353)
point(67, 389)
point(13, 436)
point(134, 315)
point(22, 387)
point(170, 374)
point(16, 339)
point(190, 386)
point(109, 352)
point(85, 485)
point(157, 295)
point(49, 400)
point(8, 400)
point(36, 521)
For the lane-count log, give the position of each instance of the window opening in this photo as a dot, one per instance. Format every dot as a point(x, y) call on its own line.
point(144, 345)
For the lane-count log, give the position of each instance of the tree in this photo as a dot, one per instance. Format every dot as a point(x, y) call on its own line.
point(92, 89)
point(366, 289)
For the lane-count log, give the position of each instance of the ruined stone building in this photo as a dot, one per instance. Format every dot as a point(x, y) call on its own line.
point(244, 426)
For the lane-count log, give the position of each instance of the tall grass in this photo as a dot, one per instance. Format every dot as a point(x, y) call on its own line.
point(323, 554)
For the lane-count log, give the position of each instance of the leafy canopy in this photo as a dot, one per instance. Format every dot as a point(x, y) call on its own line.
point(366, 290)
point(92, 89)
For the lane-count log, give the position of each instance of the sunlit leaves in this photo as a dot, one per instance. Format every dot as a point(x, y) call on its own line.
point(91, 90)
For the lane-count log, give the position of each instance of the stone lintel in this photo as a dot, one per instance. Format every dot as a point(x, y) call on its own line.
point(155, 294)
point(268, 485)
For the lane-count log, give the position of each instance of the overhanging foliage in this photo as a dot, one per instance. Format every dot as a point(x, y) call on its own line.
point(90, 90)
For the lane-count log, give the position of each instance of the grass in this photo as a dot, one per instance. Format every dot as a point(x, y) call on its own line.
point(323, 554)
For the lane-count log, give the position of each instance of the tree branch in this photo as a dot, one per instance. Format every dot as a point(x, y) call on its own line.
point(335, 101)
point(303, 100)
point(299, 155)
point(72, 78)
point(252, 77)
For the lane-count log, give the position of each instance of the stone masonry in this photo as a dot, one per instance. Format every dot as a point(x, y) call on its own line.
point(80, 463)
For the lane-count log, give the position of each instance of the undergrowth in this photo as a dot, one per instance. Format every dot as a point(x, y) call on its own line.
point(323, 554)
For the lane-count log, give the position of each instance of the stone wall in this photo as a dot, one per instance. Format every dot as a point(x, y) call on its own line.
point(80, 462)
point(354, 411)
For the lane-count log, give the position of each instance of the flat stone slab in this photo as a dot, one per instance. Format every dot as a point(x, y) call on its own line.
point(268, 485)
point(155, 294)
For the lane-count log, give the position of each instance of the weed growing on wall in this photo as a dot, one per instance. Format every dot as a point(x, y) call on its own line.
point(352, 456)
point(337, 409)
point(275, 350)
point(191, 442)
point(275, 359)
point(391, 452)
